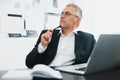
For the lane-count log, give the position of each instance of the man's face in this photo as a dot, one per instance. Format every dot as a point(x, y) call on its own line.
point(68, 18)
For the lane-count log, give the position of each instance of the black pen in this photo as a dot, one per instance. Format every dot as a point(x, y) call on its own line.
point(56, 28)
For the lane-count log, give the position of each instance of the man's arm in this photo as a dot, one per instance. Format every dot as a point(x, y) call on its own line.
point(34, 57)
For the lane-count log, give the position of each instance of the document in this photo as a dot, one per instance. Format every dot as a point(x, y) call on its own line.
point(44, 71)
point(18, 74)
point(40, 70)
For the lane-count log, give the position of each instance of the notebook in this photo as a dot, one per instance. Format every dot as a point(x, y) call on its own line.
point(103, 57)
point(39, 70)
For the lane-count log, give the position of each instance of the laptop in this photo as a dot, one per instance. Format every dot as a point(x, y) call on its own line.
point(104, 56)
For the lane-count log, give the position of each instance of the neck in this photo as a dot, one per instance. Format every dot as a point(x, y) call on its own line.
point(66, 31)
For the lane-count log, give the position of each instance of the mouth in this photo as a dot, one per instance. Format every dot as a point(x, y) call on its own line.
point(62, 21)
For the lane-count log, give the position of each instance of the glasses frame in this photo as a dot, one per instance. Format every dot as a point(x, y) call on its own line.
point(68, 14)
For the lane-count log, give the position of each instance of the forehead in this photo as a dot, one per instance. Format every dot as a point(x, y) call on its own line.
point(69, 9)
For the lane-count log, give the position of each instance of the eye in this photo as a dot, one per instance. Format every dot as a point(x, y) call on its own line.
point(62, 13)
point(67, 14)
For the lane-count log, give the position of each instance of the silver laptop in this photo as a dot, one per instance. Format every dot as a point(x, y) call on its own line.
point(103, 57)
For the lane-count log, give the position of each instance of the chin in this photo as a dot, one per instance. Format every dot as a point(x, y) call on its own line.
point(61, 25)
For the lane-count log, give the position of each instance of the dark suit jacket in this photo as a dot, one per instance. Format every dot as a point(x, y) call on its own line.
point(84, 43)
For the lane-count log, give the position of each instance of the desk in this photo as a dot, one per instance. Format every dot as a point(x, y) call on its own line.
point(106, 75)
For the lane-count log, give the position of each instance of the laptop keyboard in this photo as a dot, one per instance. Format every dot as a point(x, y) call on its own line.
point(81, 69)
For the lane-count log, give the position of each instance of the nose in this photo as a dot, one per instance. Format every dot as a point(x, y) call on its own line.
point(62, 16)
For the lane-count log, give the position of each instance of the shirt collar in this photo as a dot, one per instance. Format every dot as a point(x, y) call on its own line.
point(74, 31)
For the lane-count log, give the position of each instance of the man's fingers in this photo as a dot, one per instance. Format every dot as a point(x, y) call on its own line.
point(50, 31)
point(47, 36)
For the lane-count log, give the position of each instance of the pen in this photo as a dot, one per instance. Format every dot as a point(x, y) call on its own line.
point(56, 28)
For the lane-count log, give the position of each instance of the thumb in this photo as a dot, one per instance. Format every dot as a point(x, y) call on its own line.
point(50, 32)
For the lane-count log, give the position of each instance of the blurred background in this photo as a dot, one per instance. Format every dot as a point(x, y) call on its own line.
point(21, 22)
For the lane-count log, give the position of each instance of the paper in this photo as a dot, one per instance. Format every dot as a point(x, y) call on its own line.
point(40, 70)
point(18, 74)
point(45, 71)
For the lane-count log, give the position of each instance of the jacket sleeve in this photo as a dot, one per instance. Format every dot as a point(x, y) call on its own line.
point(34, 57)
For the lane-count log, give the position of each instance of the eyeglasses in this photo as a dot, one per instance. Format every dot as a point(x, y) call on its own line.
point(68, 14)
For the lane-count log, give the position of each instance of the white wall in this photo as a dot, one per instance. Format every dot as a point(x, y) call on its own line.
point(86, 22)
point(105, 16)
point(13, 52)
point(100, 16)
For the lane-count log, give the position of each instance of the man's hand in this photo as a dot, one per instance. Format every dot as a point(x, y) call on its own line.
point(46, 38)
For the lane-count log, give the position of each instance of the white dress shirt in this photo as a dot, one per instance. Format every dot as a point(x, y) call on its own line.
point(65, 52)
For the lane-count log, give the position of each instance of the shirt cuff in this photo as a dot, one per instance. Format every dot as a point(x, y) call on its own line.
point(41, 49)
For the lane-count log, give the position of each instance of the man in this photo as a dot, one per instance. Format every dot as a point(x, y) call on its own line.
point(63, 47)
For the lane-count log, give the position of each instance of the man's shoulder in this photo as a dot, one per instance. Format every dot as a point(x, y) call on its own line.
point(86, 36)
point(82, 33)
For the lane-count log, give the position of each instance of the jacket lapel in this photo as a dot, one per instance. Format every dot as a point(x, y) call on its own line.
point(53, 46)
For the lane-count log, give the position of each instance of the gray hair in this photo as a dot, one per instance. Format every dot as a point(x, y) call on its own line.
point(78, 10)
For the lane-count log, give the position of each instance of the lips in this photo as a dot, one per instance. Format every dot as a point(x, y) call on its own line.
point(62, 21)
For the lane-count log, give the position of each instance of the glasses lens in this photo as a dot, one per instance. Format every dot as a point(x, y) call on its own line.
point(67, 14)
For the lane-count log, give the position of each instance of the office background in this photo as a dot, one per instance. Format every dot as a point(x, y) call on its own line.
point(99, 16)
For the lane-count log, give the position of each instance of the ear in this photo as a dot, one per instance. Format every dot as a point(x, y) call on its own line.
point(78, 21)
